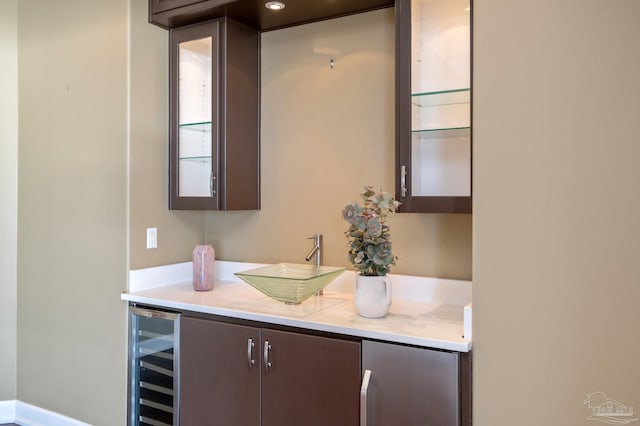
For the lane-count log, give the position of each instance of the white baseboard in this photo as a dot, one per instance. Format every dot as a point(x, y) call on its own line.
point(30, 415)
point(7, 411)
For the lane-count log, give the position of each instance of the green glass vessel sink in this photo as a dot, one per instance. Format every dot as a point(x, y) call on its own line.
point(290, 283)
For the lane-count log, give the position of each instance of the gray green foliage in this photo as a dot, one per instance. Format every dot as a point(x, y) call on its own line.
point(368, 235)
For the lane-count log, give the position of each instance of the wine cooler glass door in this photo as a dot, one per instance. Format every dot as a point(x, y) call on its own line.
point(154, 367)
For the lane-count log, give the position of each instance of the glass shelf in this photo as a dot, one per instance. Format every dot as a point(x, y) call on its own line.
point(195, 142)
point(444, 97)
point(443, 133)
point(202, 157)
point(204, 126)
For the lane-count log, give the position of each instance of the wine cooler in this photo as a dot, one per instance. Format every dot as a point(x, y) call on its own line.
point(154, 367)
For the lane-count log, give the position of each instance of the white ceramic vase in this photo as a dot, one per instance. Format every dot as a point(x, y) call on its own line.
point(373, 295)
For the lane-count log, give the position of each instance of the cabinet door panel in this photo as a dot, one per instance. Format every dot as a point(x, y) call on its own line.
point(433, 106)
point(311, 381)
point(411, 386)
point(217, 385)
point(193, 145)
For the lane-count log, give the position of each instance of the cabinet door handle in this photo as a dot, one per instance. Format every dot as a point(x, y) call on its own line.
point(267, 348)
point(250, 359)
point(403, 181)
point(364, 394)
point(212, 185)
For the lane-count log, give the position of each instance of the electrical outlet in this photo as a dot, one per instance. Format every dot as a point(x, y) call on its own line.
point(152, 238)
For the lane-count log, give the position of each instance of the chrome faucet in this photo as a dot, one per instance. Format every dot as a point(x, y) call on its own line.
point(317, 252)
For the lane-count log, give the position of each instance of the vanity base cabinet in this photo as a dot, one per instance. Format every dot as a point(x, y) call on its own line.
point(312, 380)
point(218, 387)
point(245, 375)
point(414, 386)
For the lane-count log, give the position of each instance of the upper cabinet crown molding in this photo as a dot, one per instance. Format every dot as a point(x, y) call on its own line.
point(253, 13)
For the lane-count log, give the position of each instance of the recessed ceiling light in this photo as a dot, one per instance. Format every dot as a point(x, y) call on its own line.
point(274, 5)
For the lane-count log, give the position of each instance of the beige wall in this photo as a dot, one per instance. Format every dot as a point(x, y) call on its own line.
point(74, 178)
point(9, 195)
point(556, 232)
point(325, 134)
point(556, 209)
point(178, 232)
point(72, 222)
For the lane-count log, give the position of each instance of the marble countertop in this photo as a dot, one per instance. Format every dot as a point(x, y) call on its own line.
point(424, 312)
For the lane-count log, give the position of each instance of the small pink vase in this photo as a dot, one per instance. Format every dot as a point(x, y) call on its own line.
point(203, 260)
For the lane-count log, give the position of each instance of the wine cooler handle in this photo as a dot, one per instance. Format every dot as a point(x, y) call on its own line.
point(267, 348)
point(250, 359)
point(364, 394)
point(152, 313)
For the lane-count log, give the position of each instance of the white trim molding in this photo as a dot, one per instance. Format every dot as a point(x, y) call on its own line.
point(7, 411)
point(30, 415)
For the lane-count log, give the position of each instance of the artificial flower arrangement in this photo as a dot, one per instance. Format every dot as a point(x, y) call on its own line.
point(368, 235)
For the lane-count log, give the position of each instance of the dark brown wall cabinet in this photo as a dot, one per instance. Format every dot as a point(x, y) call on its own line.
point(247, 376)
point(433, 105)
point(157, 6)
point(414, 386)
point(214, 116)
point(177, 13)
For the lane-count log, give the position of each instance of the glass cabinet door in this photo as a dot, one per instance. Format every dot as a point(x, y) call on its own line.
point(194, 122)
point(194, 96)
point(434, 110)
